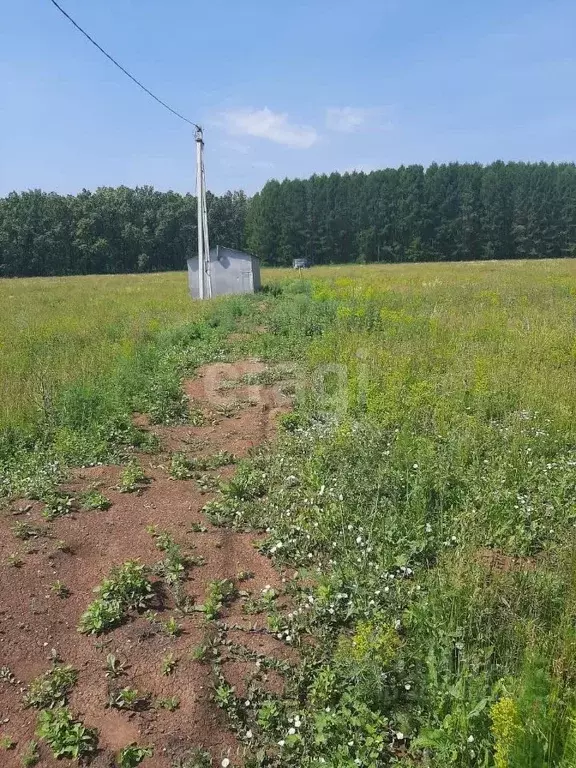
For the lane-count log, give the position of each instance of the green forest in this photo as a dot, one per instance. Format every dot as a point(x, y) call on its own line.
point(445, 212)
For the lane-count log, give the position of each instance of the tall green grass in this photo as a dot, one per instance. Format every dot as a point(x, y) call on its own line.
point(56, 332)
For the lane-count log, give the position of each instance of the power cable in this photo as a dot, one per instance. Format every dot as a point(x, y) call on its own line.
point(121, 68)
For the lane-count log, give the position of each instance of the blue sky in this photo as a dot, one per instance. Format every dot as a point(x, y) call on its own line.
point(282, 88)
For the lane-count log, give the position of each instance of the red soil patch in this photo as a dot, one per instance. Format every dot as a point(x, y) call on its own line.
point(34, 620)
point(497, 562)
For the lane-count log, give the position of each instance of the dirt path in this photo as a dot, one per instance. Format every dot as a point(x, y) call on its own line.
point(36, 624)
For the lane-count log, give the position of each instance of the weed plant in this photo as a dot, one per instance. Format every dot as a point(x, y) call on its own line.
point(132, 755)
point(126, 589)
point(51, 689)
point(67, 737)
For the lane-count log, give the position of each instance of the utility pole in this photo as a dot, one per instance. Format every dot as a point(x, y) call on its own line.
point(204, 278)
point(207, 268)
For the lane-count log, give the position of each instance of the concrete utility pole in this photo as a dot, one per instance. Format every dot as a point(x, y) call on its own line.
point(204, 278)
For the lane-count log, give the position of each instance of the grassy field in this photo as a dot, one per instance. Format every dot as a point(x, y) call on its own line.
point(425, 485)
point(60, 331)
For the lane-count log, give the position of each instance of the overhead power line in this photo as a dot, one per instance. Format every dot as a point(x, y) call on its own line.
point(121, 68)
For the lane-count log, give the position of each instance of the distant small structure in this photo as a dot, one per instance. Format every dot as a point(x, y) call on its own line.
point(230, 271)
point(300, 264)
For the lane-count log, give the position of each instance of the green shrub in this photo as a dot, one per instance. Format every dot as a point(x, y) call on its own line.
point(52, 688)
point(180, 467)
point(132, 478)
point(132, 755)
point(58, 505)
point(94, 500)
point(218, 592)
point(67, 737)
point(126, 589)
point(129, 699)
point(100, 616)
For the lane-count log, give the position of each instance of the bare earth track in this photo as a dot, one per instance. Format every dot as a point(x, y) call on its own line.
point(36, 624)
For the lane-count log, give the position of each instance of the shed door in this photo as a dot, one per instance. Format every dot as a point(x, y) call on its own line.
point(247, 286)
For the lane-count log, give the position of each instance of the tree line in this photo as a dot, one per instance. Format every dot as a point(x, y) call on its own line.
point(444, 212)
point(111, 230)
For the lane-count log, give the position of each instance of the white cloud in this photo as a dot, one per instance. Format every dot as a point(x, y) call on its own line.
point(265, 124)
point(351, 119)
point(345, 119)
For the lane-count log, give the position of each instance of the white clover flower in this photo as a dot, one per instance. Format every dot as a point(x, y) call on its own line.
point(470, 739)
point(291, 731)
point(399, 735)
point(407, 686)
point(225, 763)
point(281, 743)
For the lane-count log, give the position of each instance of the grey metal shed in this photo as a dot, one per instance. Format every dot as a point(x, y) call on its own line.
point(231, 271)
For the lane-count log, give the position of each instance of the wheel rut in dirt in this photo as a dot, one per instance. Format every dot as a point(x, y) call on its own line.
point(37, 625)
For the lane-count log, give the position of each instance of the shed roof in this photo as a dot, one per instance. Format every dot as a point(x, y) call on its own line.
point(220, 251)
point(232, 253)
